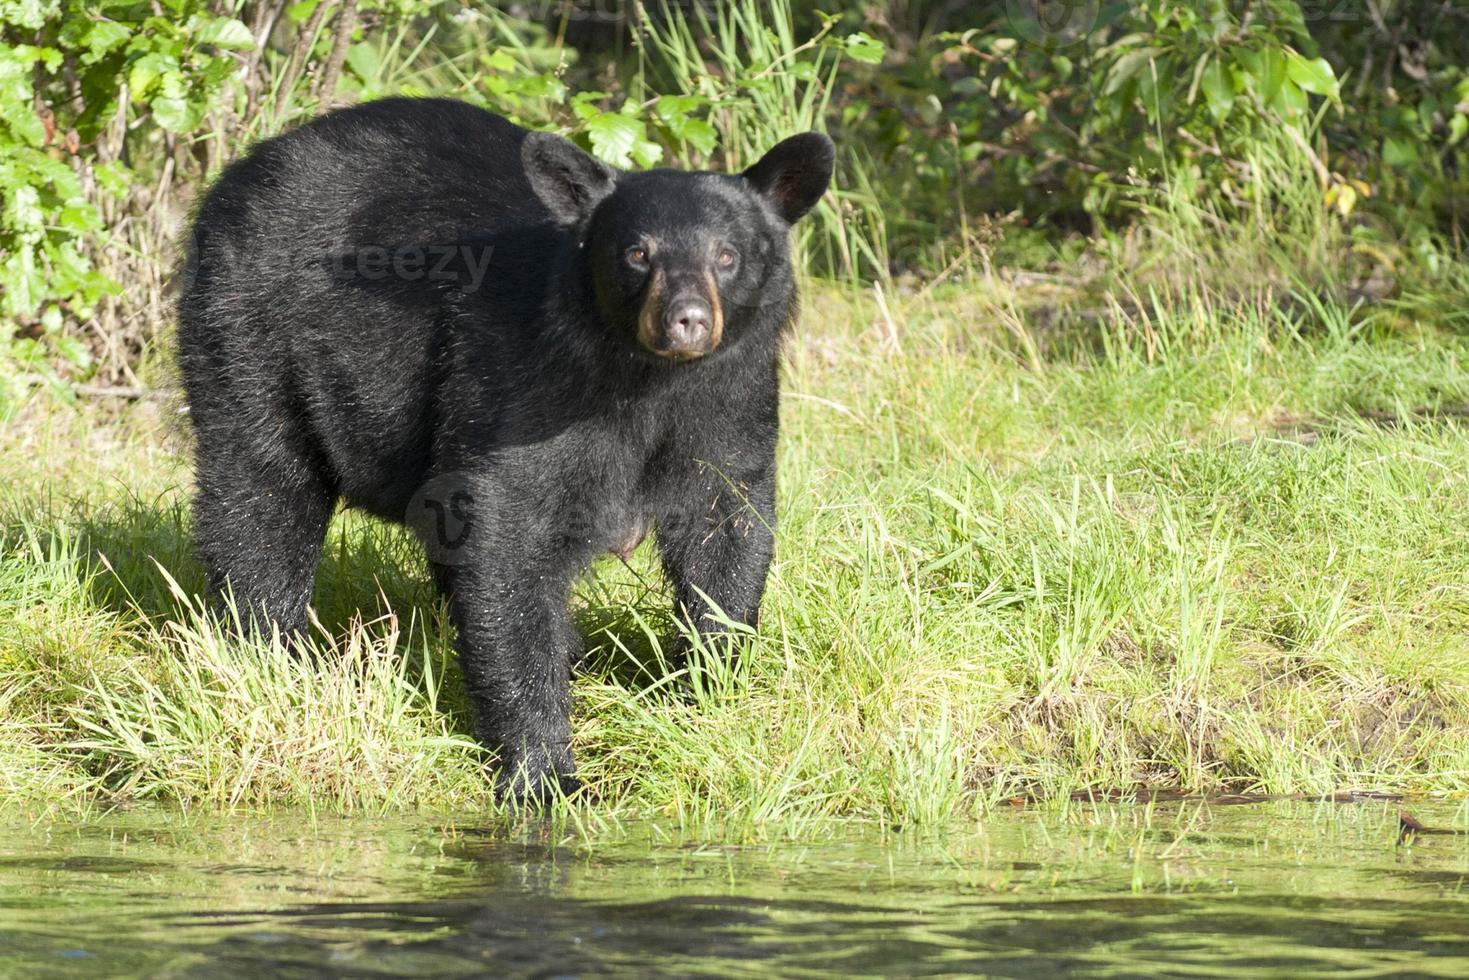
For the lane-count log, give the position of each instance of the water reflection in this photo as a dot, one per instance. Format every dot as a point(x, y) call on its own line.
point(1265, 934)
point(1108, 890)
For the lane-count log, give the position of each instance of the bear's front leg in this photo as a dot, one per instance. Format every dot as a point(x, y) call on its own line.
point(717, 552)
point(516, 644)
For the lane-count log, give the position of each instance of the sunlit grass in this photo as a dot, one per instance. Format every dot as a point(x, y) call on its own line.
point(1211, 544)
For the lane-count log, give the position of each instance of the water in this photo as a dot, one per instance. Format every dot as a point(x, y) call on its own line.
point(1184, 889)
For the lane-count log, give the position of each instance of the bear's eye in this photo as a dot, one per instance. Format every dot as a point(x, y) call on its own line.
point(637, 256)
point(726, 258)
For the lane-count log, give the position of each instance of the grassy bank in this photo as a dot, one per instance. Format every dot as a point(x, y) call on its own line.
point(1027, 546)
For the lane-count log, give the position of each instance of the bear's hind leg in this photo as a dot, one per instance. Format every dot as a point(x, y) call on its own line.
point(259, 531)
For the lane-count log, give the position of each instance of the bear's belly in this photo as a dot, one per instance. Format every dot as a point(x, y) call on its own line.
point(626, 541)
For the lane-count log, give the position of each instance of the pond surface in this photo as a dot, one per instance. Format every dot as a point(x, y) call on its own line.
point(1183, 889)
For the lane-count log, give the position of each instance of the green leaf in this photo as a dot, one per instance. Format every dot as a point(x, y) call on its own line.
point(803, 71)
point(28, 14)
point(1312, 75)
point(1427, 112)
point(1289, 100)
point(300, 13)
point(674, 112)
point(647, 153)
point(363, 59)
point(542, 86)
point(1458, 126)
point(696, 133)
point(499, 60)
point(1126, 66)
point(101, 38)
point(1397, 152)
point(23, 123)
point(227, 33)
point(78, 216)
point(618, 139)
point(177, 114)
point(584, 104)
point(27, 351)
point(112, 177)
point(148, 69)
point(73, 270)
point(670, 105)
point(1268, 70)
point(863, 47)
point(1218, 94)
point(24, 213)
point(22, 285)
point(73, 350)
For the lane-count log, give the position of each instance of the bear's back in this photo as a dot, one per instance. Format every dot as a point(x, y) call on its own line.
point(387, 173)
point(312, 302)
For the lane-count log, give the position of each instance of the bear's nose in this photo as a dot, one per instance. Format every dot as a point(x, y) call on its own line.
point(686, 327)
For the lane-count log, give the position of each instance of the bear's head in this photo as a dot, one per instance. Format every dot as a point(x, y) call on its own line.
point(682, 263)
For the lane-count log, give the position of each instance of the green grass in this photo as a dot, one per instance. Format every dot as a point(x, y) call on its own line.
point(1207, 544)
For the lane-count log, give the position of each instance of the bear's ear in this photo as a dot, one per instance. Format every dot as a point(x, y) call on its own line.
point(567, 180)
point(794, 174)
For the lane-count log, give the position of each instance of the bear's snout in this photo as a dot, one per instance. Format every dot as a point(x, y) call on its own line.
point(681, 318)
point(688, 327)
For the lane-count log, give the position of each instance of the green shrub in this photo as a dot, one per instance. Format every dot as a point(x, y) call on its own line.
point(957, 124)
point(84, 90)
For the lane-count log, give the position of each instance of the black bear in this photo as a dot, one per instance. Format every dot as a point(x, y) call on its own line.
point(420, 309)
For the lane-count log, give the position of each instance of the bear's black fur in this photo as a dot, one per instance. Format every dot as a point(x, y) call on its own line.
point(418, 308)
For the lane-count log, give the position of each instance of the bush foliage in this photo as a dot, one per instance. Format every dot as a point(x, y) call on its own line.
point(1053, 116)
